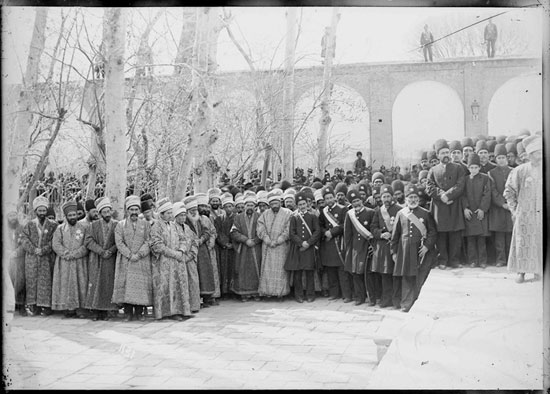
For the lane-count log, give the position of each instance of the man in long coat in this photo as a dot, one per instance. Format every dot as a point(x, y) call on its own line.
point(100, 241)
point(445, 187)
point(273, 229)
point(17, 262)
point(226, 252)
point(382, 262)
point(170, 253)
point(248, 252)
point(36, 240)
point(304, 232)
point(500, 218)
point(523, 193)
point(208, 224)
point(70, 275)
point(357, 238)
point(331, 221)
point(133, 285)
point(412, 247)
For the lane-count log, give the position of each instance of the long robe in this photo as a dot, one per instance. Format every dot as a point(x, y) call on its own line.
point(248, 260)
point(100, 237)
point(38, 269)
point(226, 255)
point(192, 270)
point(382, 261)
point(204, 262)
point(133, 279)
point(170, 283)
point(274, 279)
point(70, 275)
point(523, 193)
point(208, 223)
point(500, 219)
point(17, 265)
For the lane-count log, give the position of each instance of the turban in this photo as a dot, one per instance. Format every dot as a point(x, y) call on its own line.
point(467, 141)
point(89, 205)
point(386, 189)
point(69, 206)
point(398, 185)
point(473, 158)
point(214, 193)
point(227, 198)
point(146, 205)
point(40, 201)
point(377, 175)
point(190, 202)
point(132, 201)
point(275, 195)
point(289, 193)
point(318, 194)
point(440, 144)
point(455, 145)
point(262, 196)
point(532, 143)
point(164, 204)
point(202, 198)
point(353, 195)
point(341, 188)
point(105, 202)
point(481, 145)
point(411, 189)
point(239, 199)
point(178, 207)
point(500, 150)
point(249, 196)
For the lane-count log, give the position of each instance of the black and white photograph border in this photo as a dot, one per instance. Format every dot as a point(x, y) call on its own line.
point(385, 78)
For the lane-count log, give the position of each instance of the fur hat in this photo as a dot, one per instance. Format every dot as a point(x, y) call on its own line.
point(500, 149)
point(440, 144)
point(473, 158)
point(386, 189)
point(341, 188)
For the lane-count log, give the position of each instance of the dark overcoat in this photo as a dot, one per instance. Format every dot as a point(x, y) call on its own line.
point(500, 219)
point(382, 261)
point(477, 195)
point(332, 251)
point(357, 246)
point(298, 233)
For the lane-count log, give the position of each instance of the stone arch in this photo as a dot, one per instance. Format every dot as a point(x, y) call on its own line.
point(516, 105)
point(422, 112)
point(349, 130)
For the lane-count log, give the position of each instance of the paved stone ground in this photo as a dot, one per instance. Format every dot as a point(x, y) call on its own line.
point(254, 345)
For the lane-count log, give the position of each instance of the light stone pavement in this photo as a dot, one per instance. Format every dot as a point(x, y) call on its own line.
point(236, 345)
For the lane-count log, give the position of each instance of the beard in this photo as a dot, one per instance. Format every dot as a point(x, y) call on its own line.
point(133, 216)
point(386, 203)
point(275, 209)
point(72, 222)
point(193, 218)
point(41, 217)
point(412, 205)
point(205, 213)
point(107, 218)
point(445, 160)
point(249, 211)
point(215, 206)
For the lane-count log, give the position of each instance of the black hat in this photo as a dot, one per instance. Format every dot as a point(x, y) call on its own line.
point(386, 189)
point(455, 145)
point(146, 196)
point(440, 144)
point(473, 158)
point(398, 185)
point(146, 205)
point(481, 145)
point(500, 149)
point(378, 175)
point(411, 189)
point(79, 206)
point(353, 195)
point(317, 185)
point(432, 155)
point(467, 141)
point(491, 145)
point(511, 147)
point(300, 196)
point(375, 190)
point(89, 204)
point(285, 185)
point(341, 188)
point(328, 190)
point(50, 212)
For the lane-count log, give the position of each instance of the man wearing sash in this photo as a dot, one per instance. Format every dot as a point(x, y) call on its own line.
point(357, 238)
point(331, 221)
point(248, 252)
point(304, 234)
point(412, 247)
point(226, 252)
point(382, 227)
point(273, 229)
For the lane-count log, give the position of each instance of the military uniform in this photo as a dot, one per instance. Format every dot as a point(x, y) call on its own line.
point(500, 219)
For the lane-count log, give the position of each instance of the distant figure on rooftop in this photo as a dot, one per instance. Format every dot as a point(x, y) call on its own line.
point(490, 36)
point(426, 41)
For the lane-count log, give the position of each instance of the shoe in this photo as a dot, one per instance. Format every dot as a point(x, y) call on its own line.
point(520, 278)
point(325, 293)
point(46, 312)
point(205, 305)
point(455, 266)
point(405, 309)
point(442, 266)
point(500, 264)
point(346, 300)
point(299, 300)
point(194, 311)
point(459, 266)
point(385, 305)
point(310, 299)
point(69, 315)
point(128, 317)
point(95, 317)
point(359, 302)
point(177, 317)
point(332, 298)
point(280, 298)
point(214, 302)
point(483, 266)
point(187, 317)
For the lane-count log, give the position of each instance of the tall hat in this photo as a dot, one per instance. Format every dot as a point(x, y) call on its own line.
point(50, 212)
point(398, 185)
point(500, 149)
point(40, 201)
point(481, 145)
point(249, 196)
point(440, 144)
point(261, 196)
point(202, 199)
point(327, 190)
point(132, 201)
point(275, 195)
point(285, 185)
point(190, 202)
point(79, 206)
point(473, 158)
point(467, 141)
point(227, 198)
point(386, 189)
point(164, 204)
point(377, 175)
point(411, 189)
point(69, 206)
point(432, 155)
point(239, 199)
point(532, 143)
point(300, 196)
point(422, 174)
point(214, 193)
point(501, 139)
point(481, 137)
point(104, 202)
point(361, 187)
point(146, 205)
point(424, 156)
point(89, 205)
point(318, 194)
point(308, 192)
point(178, 207)
point(353, 195)
point(511, 147)
point(317, 185)
point(146, 196)
point(455, 145)
point(341, 188)
point(491, 145)
point(289, 193)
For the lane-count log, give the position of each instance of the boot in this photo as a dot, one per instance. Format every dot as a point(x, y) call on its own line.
point(138, 313)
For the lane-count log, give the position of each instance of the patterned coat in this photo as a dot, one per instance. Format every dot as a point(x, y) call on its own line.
point(500, 219)
point(70, 275)
point(477, 195)
point(332, 251)
point(298, 233)
point(208, 224)
point(38, 270)
point(133, 279)
point(447, 180)
point(170, 283)
point(248, 260)
point(406, 241)
point(382, 261)
point(274, 280)
point(357, 246)
point(100, 237)
point(205, 267)
point(192, 270)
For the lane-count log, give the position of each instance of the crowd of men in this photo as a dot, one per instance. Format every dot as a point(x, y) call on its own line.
point(473, 203)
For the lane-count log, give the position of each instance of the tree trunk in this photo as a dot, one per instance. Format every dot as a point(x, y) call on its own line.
point(287, 146)
point(114, 27)
point(324, 121)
